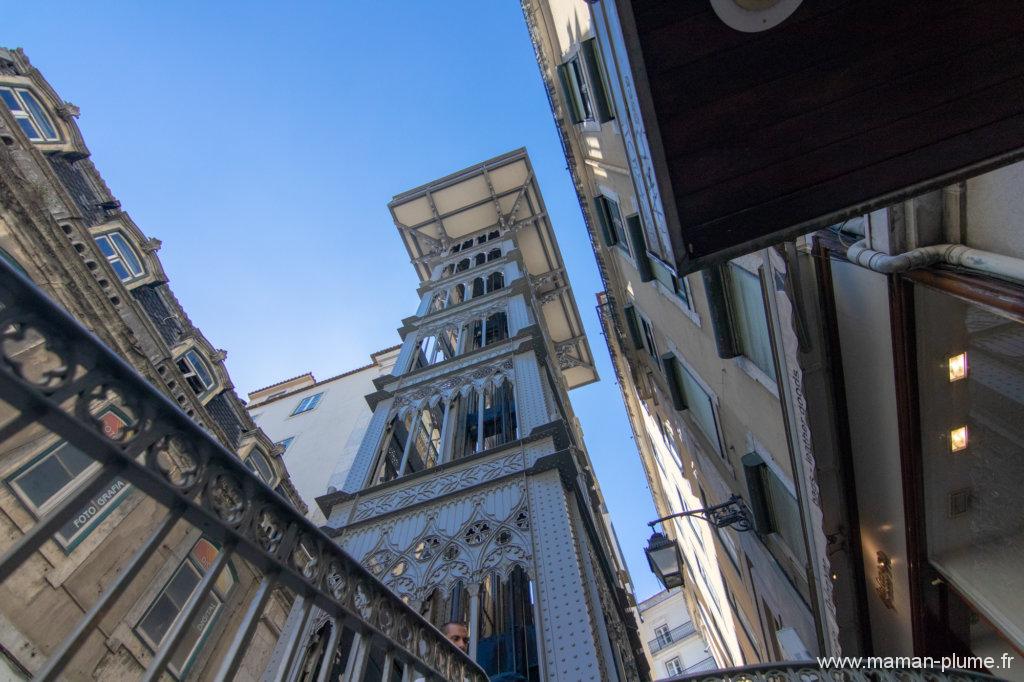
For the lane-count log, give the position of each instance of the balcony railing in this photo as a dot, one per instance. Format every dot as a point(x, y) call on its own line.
point(672, 636)
point(812, 672)
point(56, 376)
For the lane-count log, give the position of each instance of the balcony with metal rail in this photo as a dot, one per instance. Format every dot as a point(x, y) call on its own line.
point(672, 636)
point(57, 376)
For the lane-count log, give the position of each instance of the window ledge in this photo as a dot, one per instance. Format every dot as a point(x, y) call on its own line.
point(672, 296)
point(757, 374)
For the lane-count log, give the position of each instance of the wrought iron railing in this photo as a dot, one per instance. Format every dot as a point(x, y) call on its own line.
point(670, 637)
point(56, 375)
point(812, 672)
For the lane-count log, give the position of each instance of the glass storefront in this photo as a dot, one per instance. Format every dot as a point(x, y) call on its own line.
point(970, 365)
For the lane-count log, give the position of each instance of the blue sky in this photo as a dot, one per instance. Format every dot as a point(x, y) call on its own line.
point(261, 143)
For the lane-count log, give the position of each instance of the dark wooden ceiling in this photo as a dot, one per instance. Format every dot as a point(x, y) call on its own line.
point(847, 102)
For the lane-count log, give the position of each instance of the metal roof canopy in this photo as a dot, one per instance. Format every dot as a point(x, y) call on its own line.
point(846, 106)
point(500, 193)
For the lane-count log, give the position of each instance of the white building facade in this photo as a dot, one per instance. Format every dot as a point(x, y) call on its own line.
point(472, 496)
point(672, 642)
point(318, 425)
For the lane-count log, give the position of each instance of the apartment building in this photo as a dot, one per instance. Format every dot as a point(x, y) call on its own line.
point(672, 643)
point(63, 228)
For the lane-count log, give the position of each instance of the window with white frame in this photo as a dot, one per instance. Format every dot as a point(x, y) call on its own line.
point(774, 506)
point(121, 256)
point(196, 372)
point(167, 608)
point(689, 394)
point(750, 322)
point(673, 666)
point(308, 403)
point(663, 634)
point(649, 343)
point(583, 85)
point(667, 437)
point(258, 463)
point(29, 114)
point(610, 218)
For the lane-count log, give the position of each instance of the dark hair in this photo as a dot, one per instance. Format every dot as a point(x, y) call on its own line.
point(454, 622)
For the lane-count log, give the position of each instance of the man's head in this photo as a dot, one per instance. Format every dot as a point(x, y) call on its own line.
point(458, 634)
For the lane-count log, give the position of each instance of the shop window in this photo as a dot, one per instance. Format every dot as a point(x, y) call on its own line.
point(167, 608)
point(970, 387)
point(121, 256)
point(29, 114)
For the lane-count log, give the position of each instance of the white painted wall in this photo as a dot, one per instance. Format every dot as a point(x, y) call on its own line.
point(326, 438)
point(669, 608)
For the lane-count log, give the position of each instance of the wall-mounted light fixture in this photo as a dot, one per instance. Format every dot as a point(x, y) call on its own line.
point(957, 367)
point(958, 439)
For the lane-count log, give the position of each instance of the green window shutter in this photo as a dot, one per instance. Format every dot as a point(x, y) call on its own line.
point(670, 365)
point(604, 217)
point(754, 470)
point(636, 236)
point(598, 81)
point(634, 327)
point(572, 105)
point(718, 305)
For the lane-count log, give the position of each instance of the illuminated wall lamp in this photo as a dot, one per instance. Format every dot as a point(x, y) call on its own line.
point(958, 367)
point(958, 439)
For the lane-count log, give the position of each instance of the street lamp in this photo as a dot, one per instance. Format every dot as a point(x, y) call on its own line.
point(665, 560)
point(663, 555)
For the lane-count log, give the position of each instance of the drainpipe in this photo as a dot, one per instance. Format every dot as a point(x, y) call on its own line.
point(1004, 267)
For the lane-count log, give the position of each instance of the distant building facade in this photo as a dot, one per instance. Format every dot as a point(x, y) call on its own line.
point(61, 226)
point(319, 425)
point(672, 642)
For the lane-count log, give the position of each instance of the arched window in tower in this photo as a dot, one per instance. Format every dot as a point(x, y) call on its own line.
point(463, 265)
point(196, 372)
point(29, 114)
point(478, 287)
point(121, 256)
point(468, 244)
point(480, 259)
point(499, 415)
point(507, 641)
point(447, 606)
point(456, 248)
point(426, 443)
point(464, 414)
point(458, 294)
point(447, 270)
point(435, 348)
point(493, 254)
point(389, 460)
point(439, 302)
point(497, 328)
point(495, 281)
point(474, 335)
